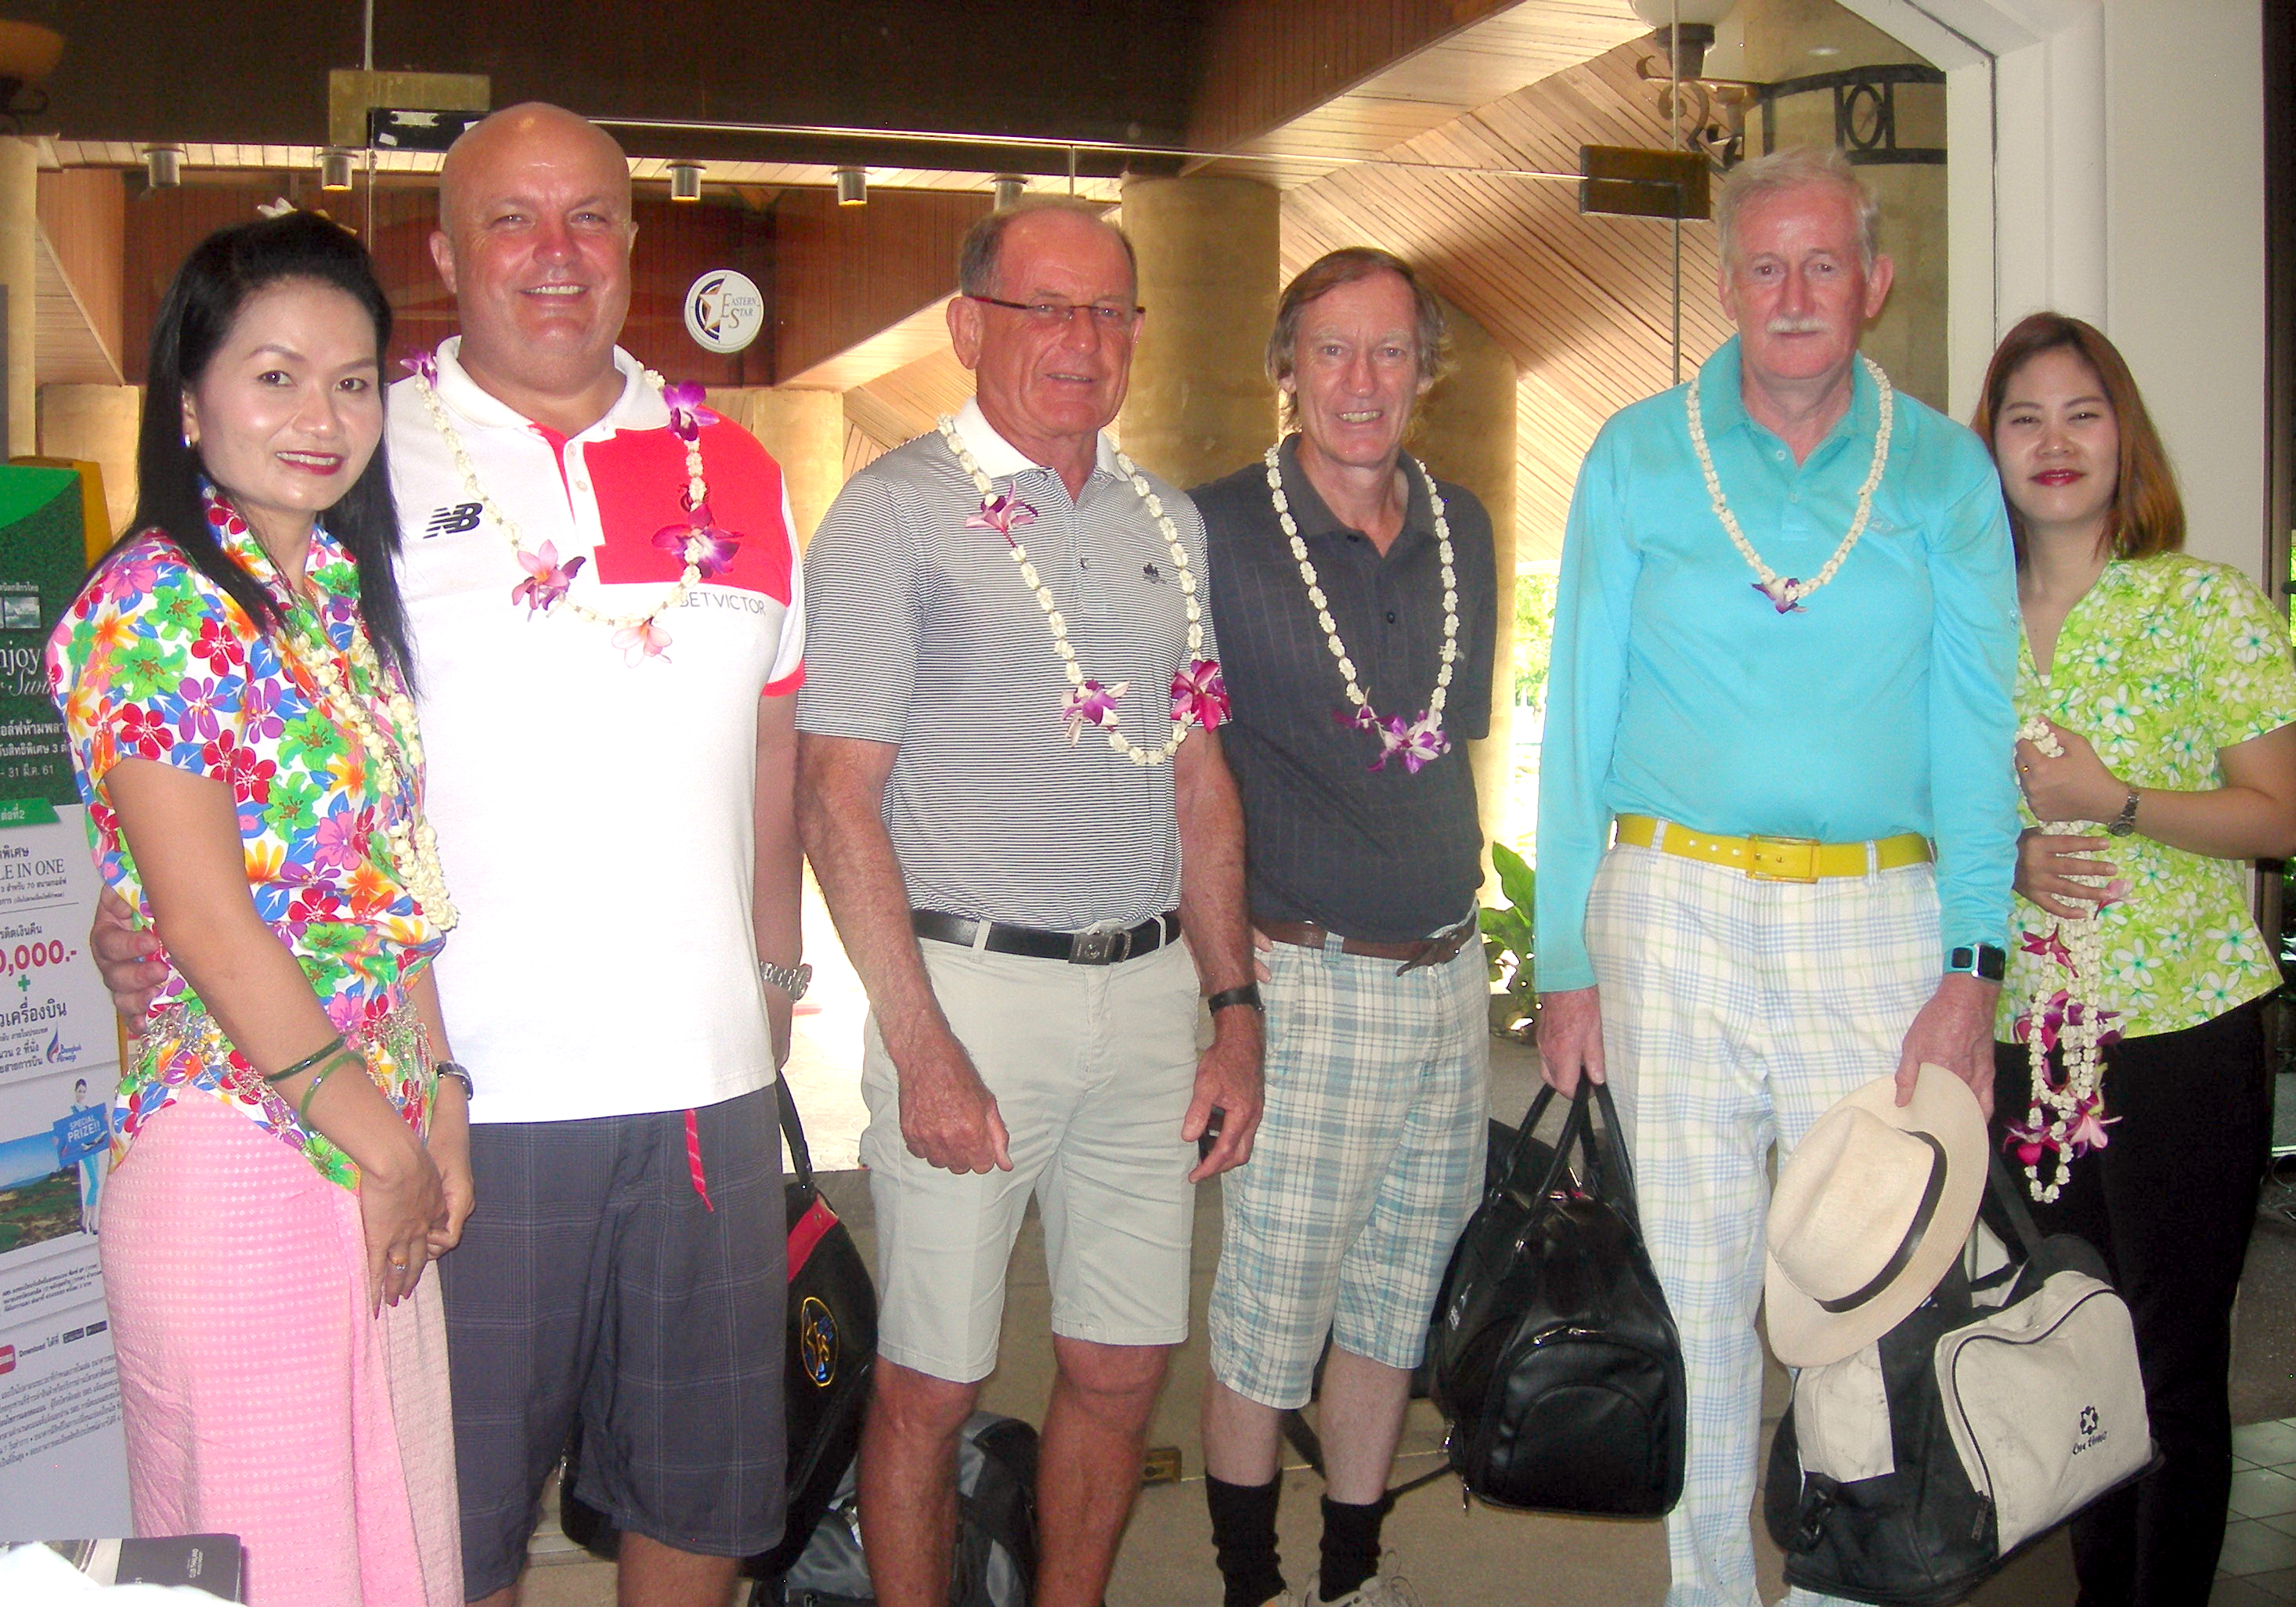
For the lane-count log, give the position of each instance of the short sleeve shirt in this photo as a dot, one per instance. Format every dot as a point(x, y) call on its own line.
point(924, 637)
point(155, 662)
point(1388, 855)
point(2165, 661)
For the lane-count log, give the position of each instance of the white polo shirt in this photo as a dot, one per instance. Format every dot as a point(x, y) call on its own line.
point(593, 804)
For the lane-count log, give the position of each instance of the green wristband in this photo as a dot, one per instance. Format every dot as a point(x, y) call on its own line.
point(309, 1061)
point(303, 1109)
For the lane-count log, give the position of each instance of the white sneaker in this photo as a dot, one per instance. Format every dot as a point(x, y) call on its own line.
point(1380, 1590)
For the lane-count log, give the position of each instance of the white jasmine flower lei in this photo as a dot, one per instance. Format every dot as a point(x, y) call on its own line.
point(1786, 594)
point(707, 551)
point(1416, 740)
point(1090, 702)
point(2067, 1118)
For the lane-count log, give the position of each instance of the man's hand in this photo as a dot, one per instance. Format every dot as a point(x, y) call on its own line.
point(1570, 1038)
point(1954, 1030)
point(1227, 1080)
point(948, 1117)
point(2046, 867)
point(123, 954)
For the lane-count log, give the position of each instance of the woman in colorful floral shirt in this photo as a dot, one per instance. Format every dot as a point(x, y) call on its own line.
point(287, 1157)
point(2157, 698)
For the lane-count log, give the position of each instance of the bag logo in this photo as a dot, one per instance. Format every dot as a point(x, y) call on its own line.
point(2092, 1435)
point(454, 520)
point(817, 1341)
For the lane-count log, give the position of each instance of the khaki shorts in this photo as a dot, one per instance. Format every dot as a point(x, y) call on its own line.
point(1092, 1067)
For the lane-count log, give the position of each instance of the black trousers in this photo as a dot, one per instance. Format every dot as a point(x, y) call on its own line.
point(2170, 1201)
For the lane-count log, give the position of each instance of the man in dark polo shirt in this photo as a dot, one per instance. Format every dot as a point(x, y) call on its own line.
point(1355, 600)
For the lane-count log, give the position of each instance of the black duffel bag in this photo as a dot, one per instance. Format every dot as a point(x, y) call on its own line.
point(829, 1342)
point(1555, 1357)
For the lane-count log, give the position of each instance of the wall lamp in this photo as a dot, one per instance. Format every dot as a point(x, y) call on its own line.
point(684, 181)
point(852, 187)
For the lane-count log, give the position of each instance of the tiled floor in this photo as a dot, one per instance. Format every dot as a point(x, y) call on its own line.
point(2258, 1565)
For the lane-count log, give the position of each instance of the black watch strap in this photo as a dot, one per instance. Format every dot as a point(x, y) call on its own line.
point(1249, 993)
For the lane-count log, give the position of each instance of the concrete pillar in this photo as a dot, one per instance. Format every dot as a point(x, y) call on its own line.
point(1782, 39)
point(1464, 431)
point(20, 223)
point(1201, 404)
point(97, 424)
point(805, 432)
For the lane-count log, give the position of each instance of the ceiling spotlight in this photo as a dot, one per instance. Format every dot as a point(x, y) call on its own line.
point(163, 166)
point(852, 187)
point(334, 170)
point(1007, 188)
point(684, 181)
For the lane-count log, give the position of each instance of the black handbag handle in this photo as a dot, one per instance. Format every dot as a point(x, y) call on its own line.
point(2011, 1199)
point(793, 1134)
point(1609, 1171)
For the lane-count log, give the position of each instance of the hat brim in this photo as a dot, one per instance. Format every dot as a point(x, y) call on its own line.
point(1805, 1334)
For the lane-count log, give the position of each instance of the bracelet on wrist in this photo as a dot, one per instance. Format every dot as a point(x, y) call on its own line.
point(307, 1061)
point(303, 1107)
point(452, 1072)
point(1247, 995)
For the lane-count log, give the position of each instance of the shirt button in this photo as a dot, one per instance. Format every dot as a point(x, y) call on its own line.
point(1793, 497)
point(1779, 456)
point(1391, 616)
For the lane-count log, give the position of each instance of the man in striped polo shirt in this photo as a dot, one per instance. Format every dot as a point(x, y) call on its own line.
point(1014, 803)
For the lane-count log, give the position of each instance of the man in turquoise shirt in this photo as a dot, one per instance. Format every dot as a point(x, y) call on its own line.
point(1783, 648)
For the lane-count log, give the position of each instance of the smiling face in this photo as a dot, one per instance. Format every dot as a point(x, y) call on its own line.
point(290, 408)
point(1355, 370)
point(2057, 441)
point(534, 241)
point(1049, 386)
point(1796, 286)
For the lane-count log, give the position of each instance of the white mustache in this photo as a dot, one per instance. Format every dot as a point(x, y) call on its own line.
point(1797, 326)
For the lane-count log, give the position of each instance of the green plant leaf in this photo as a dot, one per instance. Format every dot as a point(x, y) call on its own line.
point(1517, 880)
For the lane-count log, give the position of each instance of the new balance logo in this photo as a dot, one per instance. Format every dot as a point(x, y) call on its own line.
point(453, 521)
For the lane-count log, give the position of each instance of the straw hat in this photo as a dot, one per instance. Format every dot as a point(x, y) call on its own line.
point(1870, 1210)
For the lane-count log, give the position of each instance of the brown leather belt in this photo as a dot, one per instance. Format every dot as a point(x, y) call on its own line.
point(1421, 951)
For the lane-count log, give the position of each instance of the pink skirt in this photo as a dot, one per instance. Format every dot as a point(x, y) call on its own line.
point(260, 1398)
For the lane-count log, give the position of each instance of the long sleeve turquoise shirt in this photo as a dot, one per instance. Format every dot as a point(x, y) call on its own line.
point(1678, 690)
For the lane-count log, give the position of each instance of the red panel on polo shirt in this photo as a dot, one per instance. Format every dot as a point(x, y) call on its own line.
point(638, 477)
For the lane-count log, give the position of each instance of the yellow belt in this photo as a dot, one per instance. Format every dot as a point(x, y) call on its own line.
point(1776, 858)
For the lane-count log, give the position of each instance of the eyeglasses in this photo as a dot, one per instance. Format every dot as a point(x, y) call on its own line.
point(1110, 320)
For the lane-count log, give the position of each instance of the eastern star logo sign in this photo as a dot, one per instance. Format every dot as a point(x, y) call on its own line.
point(724, 311)
point(453, 521)
point(817, 1341)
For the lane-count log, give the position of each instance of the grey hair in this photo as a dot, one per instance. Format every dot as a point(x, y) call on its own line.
point(1328, 272)
point(984, 241)
point(1795, 168)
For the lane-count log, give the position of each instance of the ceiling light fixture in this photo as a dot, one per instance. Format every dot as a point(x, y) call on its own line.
point(334, 170)
point(684, 181)
point(163, 166)
point(1007, 188)
point(852, 187)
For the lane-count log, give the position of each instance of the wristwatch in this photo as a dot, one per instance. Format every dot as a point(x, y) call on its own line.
point(792, 979)
point(453, 1069)
point(2125, 825)
point(1987, 962)
point(1249, 993)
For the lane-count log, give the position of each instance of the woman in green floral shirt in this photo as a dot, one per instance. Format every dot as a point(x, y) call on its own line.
point(2167, 762)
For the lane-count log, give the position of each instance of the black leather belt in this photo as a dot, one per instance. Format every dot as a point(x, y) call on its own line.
point(1077, 947)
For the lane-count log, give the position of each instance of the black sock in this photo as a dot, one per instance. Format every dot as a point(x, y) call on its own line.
point(1243, 1535)
point(1350, 1546)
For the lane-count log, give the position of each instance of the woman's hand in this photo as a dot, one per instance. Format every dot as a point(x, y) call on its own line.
point(401, 1204)
point(2046, 867)
point(2073, 785)
point(450, 1149)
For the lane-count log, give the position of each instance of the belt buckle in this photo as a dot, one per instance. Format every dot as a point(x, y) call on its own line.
point(1100, 947)
point(1781, 859)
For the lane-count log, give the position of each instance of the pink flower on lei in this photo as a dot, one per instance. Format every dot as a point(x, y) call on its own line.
point(686, 412)
point(2029, 1141)
point(643, 641)
point(423, 364)
point(2050, 947)
point(1199, 695)
point(707, 546)
point(2086, 1131)
point(1780, 598)
point(1417, 742)
point(1092, 704)
point(1002, 514)
point(546, 579)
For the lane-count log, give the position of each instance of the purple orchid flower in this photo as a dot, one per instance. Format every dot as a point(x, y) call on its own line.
point(1358, 719)
point(2029, 1141)
point(425, 364)
point(1417, 742)
point(2049, 947)
point(546, 579)
point(2086, 1131)
point(1780, 594)
point(708, 547)
point(1091, 704)
point(1199, 695)
point(686, 412)
point(1002, 514)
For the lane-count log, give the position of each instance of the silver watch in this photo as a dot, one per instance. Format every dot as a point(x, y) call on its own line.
point(792, 979)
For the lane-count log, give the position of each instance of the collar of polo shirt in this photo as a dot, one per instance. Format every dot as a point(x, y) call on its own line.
point(640, 406)
point(999, 457)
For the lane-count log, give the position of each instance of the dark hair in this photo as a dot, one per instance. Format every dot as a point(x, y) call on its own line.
point(984, 242)
point(2146, 515)
point(214, 284)
point(1326, 273)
